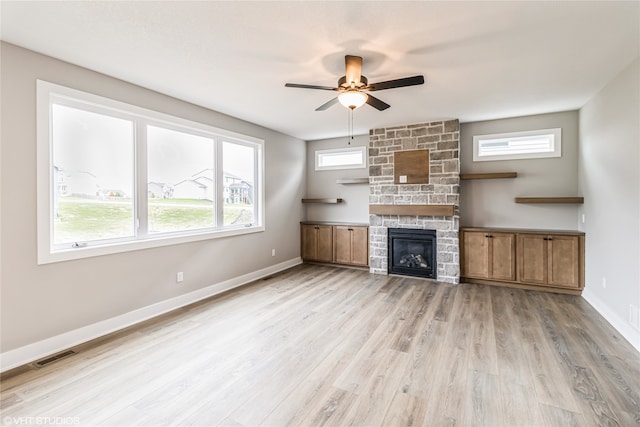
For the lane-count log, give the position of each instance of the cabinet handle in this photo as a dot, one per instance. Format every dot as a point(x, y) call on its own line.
point(350, 229)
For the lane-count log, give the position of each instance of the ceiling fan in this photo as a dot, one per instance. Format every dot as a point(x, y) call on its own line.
point(353, 87)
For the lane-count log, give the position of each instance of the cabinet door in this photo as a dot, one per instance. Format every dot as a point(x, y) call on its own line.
point(309, 242)
point(342, 244)
point(532, 258)
point(351, 245)
point(563, 261)
point(475, 261)
point(316, 242)
point(502, 263)
point(324, 243)
point(360, 246)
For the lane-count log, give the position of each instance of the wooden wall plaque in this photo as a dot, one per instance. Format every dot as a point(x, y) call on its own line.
point(411, 167)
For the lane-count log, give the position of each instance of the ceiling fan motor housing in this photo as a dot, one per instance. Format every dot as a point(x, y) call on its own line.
point(343, 83)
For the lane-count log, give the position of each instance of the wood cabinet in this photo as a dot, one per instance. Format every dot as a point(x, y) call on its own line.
point(489, 255)
point(549, 259)
point(351, 245)
point(530, 259)
point(346, 244)
point(316, 242)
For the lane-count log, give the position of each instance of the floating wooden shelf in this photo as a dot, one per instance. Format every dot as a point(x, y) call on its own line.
point(492, 175)
point(327, 201)
point(352, 181)
point(413, 210)
point(578, 200)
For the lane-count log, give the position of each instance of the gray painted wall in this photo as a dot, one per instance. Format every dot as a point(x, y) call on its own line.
point(490, 203)
point(322, 184)
point(610, 181)
point(42, 301)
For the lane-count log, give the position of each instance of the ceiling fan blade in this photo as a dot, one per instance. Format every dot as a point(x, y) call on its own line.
point(391, 84)
point(309, 86)
point(327, 104)
point(376, 103)
point(353, 69)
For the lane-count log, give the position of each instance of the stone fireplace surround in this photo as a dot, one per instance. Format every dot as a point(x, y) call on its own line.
point(442, 139)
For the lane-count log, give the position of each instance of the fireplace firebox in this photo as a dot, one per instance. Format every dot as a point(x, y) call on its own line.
point(412, 252)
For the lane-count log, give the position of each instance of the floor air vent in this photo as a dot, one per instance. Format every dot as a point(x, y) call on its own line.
point(49, 360)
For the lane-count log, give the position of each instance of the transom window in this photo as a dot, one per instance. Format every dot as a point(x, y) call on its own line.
point(114, 177)
point(518, 145)
point(341, 158)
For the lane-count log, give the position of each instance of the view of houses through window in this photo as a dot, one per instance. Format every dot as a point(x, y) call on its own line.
point(93, 164)
point(180, 181)
point(238, 192)
point(103, 160)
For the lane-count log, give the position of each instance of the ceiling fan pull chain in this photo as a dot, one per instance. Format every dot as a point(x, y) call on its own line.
point(350, 126)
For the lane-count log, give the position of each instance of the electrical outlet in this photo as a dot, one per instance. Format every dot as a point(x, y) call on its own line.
point(634, 316)
point(583, 218)
point(604, 282)
point(273, 252)
point(179, 276)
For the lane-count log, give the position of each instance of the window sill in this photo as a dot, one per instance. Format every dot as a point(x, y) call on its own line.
point(49, 257)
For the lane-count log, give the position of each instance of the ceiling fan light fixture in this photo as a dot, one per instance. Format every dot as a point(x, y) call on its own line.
point(353, 99)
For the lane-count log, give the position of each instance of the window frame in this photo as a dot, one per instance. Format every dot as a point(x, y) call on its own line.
point(555, 152)
point(47, 93)
point(320, 153)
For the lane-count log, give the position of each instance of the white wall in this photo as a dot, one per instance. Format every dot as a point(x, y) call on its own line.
point(610, 181)
point(322, 184)
point(490, 202)
point(47, 306)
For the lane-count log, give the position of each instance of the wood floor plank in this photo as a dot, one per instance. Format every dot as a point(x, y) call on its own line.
point(324, 346)
point(549, 382)
point(285, 377)
point(586, 388)
point(405, 411)
point(507, 306)
point(415, 316)
point(446, 405)
point(377, 394)
point(624, 390)
point(483, 356)
point(332, 411)
point(483, 406)
point(420, 375)
point(301, 403)
point(557, 417)
point(519, 405)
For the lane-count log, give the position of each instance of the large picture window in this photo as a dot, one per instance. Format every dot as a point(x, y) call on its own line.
point(114, 177)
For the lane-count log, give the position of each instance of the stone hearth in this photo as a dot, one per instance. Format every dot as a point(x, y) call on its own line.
point(442, 139)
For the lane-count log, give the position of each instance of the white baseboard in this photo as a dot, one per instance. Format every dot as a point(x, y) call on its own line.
point(31, 352)
point(626, 330)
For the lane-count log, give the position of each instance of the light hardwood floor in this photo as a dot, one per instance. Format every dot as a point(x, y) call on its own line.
point(318, 345)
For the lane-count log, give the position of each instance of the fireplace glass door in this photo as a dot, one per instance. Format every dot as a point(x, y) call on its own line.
point(412, 252)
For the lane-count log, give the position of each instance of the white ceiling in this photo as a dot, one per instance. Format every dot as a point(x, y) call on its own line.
point(481, 60)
